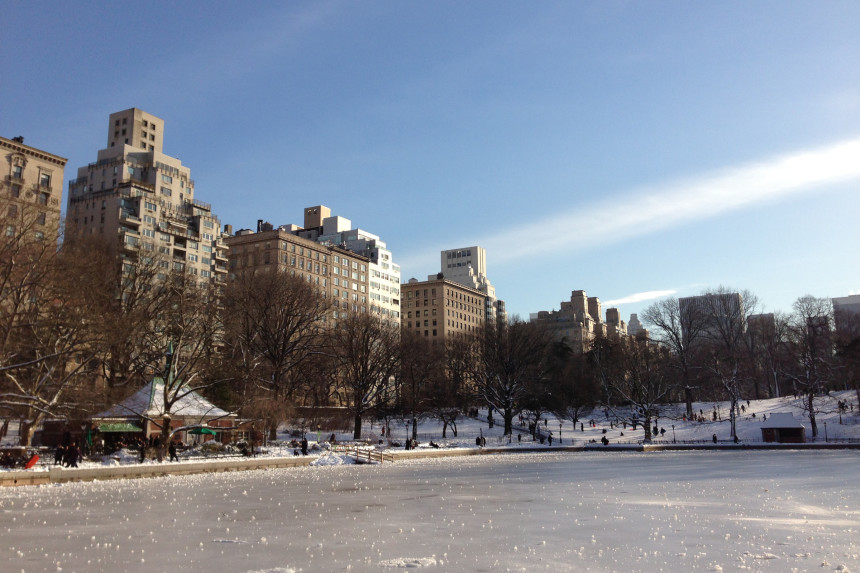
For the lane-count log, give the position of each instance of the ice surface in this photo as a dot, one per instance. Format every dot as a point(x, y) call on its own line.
point(669, 511)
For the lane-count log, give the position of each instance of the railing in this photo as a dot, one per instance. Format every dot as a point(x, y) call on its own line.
point(364, 455)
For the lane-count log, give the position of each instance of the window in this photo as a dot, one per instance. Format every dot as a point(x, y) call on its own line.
point(16, 190)
point(148, 233)
point(17, 172)
point(166, 178)
point(166, 191)
point(10, 230)
point(43, 198)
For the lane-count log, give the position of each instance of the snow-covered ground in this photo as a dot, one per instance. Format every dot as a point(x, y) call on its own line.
point(832, 426)
point(671, 511)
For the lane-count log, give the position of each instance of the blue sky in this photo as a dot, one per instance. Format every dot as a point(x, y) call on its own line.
point(624, 148)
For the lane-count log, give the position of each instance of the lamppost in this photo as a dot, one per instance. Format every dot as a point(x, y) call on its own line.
point(319, 436)
point(825, 432)
point(406, 423)
point(673, 434)
point(559, 431)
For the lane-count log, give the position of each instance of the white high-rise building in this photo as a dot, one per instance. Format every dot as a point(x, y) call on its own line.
point(145, 198)
point(468, 266)
point(384, 275)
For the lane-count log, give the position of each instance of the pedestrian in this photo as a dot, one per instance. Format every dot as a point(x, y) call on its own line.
point(519, 437)
point(714, 437)
point(142, 450)
point(549, 438)
point(72, 455)
point(304, 446)
point(172, 451)
point(581, 427)
point(662, 432)
point(59, 454)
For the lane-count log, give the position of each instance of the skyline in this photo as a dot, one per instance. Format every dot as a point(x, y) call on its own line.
point(633, 151)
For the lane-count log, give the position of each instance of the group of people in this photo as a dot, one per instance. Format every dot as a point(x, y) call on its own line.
point(67, 456)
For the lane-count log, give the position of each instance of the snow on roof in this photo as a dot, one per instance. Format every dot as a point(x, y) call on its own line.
point(781, 420)
point(149, 402)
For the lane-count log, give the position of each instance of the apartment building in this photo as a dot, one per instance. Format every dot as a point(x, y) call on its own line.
point(31, 190)
point(342, 277)
point(579, 320)
point(383, 274)
point(440, 308)
point(468, 267)
point(145, 199)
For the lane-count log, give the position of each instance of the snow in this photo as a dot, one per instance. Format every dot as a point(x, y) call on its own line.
point(831, 425)
point(624, 511)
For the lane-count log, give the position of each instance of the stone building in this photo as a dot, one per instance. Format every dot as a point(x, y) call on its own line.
point(145, 200)
point(31, 191)
point(440, 308)
point(579, 320)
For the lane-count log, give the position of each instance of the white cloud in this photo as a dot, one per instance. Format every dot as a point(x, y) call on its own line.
point(640, 297)
point(649, 209)
point(658, 207)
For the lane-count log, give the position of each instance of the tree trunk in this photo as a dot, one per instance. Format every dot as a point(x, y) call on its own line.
point(811, 407)
point(356, 434)
point(24, 433)
point(647, 424)
point(688, 397)
point(509, 421)
point(444, 429)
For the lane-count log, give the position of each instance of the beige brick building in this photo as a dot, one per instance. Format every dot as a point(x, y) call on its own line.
point(31, 190)
point(340, 275)
point(145, 199)
point(441, 308)
point(579, 320)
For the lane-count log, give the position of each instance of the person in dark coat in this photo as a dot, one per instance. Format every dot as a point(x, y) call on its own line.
point(304, 446)
point(59, 454)
point(172, 451)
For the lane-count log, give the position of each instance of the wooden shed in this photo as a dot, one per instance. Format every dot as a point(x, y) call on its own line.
point(782, 428)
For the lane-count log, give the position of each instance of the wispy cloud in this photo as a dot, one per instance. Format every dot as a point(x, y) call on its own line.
point(640, 297)
point(650, 209)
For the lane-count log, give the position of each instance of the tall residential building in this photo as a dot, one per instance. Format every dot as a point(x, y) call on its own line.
point(340, 275)
point(145, 199)
point(440, 308)
point(716, 312)
point(31, 190)
point(579, 321)
point(383, 273)
point(846, 312)
point(468, 266)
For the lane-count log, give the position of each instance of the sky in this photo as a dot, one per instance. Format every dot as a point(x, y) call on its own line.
point(634, 150)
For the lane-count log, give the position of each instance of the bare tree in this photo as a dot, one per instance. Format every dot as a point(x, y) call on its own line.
point(511, 359)
point(274, 323)
point(727, 318)
point(680, 332)
point(419, 373)
point(365, 351)
point(811, 348)
point(575, 389)
point(46, 339)
point(640, 377)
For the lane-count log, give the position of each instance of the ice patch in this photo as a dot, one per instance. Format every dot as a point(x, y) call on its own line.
point(274, 570)
point(409, 562)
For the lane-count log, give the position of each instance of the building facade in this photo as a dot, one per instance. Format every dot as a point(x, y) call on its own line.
point(382, 273)
point(468, 266)
point(145, 200)
point(441, 309)
point(579, 320)
point(31, 191)
point(341, 276)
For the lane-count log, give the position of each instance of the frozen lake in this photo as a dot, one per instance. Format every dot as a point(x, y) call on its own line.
point(691, 511)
